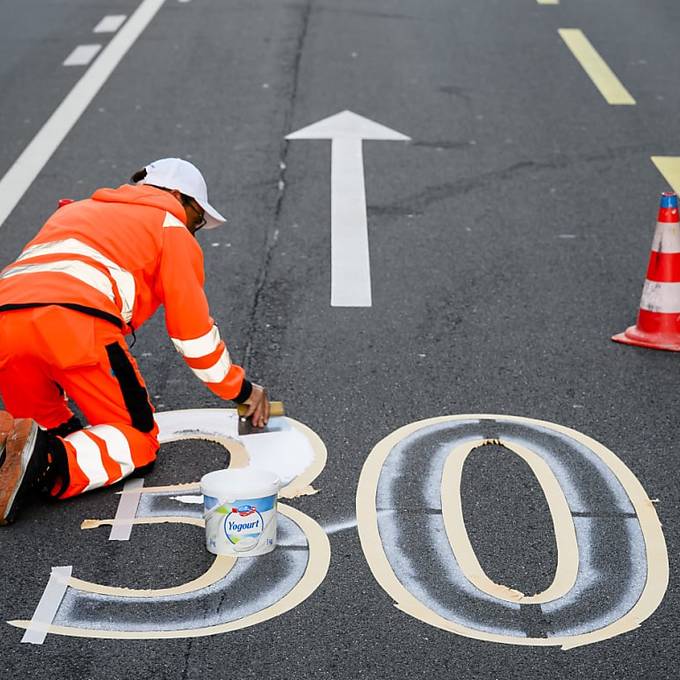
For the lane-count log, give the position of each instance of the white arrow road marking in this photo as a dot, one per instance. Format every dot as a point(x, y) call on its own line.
point(350, 262)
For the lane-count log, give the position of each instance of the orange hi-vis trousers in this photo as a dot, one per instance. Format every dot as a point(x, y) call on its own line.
point(51, 354)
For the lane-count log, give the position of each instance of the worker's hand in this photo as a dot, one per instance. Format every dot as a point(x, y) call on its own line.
point(258, 406)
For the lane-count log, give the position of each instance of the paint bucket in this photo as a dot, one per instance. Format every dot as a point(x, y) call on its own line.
point(240, 511)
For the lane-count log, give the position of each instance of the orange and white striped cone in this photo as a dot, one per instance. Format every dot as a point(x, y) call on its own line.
point(658, 322)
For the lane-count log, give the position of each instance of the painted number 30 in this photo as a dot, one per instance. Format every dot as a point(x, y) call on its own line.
point(612, 566)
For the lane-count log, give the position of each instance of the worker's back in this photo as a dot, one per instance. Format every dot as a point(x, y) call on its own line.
point(104, 253)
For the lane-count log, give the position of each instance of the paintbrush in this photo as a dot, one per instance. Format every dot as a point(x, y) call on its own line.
point(245, 424)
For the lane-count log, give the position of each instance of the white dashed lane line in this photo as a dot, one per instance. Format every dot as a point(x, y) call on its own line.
point(82, 55)
point(21, 174)
point(110, 23)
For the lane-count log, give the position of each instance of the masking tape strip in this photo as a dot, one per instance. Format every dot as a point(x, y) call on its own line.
point(189, 487)
point(219, 569)
point(194, 521)
point(127, 510)
point(563, 525)
point(238, 454)
point(47, 608)
point(291, 492)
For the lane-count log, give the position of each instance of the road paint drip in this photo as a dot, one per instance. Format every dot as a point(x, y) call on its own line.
point(189, 500)
point(39, 625)
point(127, 510)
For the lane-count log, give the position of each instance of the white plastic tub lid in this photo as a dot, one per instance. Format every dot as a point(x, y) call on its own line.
point(242, 483)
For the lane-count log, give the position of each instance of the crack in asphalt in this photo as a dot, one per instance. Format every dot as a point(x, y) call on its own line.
point(417, 202)
point(272, 238)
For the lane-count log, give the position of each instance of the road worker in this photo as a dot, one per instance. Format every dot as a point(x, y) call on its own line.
point(97, 270)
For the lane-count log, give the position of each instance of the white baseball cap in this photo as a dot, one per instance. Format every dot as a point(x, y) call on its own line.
point(185, 177)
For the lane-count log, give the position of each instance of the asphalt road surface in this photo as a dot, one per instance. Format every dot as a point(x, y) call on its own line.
point(508, 242)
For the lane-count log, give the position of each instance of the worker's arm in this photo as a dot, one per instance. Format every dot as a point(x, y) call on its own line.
point(191, 329)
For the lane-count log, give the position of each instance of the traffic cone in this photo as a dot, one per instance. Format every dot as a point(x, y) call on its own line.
point(658, 322)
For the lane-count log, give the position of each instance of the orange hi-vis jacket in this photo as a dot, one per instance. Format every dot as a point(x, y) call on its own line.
point(119, 255)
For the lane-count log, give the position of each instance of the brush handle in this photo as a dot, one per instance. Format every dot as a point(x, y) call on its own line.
point(275, 409)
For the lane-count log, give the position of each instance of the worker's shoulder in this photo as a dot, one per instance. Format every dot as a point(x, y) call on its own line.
point(162, 207)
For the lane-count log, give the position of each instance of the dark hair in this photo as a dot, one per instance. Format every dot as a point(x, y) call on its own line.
point(141, 174)
point(138, 176)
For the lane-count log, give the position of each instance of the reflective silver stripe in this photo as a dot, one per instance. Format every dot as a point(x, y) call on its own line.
point(89, 459)
point(125, 282)
point(78, 270)
point(171, 221)
point(117, 447)
point(666, 237)
point(661, 297)
point(198, 347)
point(217, 372)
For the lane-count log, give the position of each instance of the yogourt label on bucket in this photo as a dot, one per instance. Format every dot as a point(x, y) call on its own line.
point(244, 526)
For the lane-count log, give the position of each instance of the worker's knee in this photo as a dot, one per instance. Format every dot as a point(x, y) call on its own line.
point(66, 428)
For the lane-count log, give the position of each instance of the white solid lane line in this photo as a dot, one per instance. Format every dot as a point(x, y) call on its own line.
point(82, 55)
point(20, 176)
point(110, 23)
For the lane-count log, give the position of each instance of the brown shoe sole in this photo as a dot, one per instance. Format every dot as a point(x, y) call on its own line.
point(6, 424)
point(13, 469)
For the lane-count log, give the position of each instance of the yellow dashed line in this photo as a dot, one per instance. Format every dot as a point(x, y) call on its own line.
point(602, 76)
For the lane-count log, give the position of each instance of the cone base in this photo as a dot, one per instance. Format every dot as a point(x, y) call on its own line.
point(634, 336)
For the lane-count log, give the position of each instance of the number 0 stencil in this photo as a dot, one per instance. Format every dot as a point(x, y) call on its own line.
point(612, 563)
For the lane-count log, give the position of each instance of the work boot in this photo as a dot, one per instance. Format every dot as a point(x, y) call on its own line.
point(24, 463)
point(6, 423)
